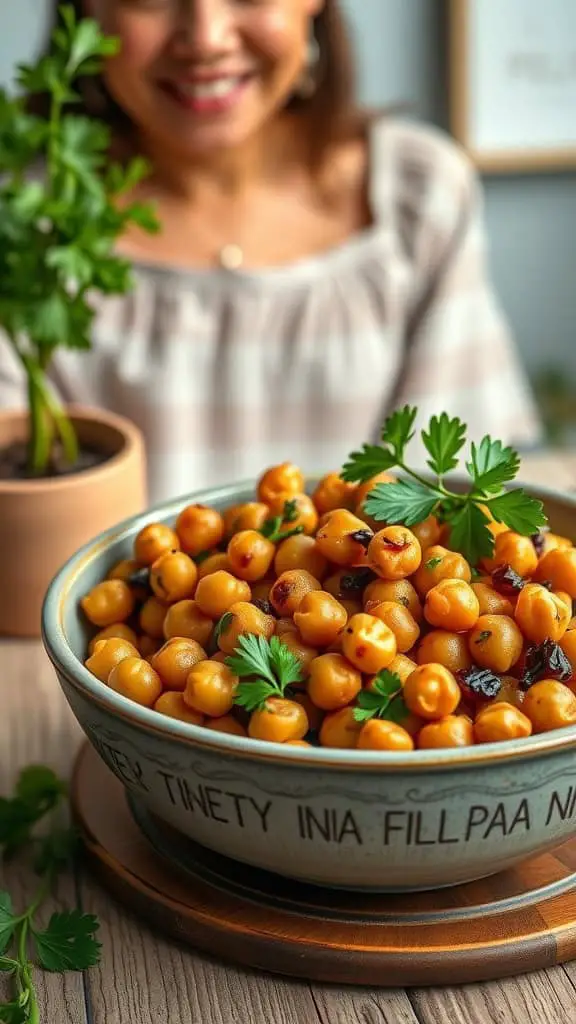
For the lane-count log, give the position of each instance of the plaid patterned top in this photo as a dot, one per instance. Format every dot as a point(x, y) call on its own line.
point(227, 372)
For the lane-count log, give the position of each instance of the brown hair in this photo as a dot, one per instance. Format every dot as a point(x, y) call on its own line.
point(330, 112)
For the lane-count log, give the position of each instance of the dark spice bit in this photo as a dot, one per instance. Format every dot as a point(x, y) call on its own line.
point(539, 542)
point(483, 636)
point(573, 607)
point(362, 537)
point(544, 661)
point(478, 684)
point(355, 582)
point(264, 606)
point(507, 581)
point(140, 578)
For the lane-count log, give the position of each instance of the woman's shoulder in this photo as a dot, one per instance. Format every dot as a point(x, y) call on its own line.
point(412, 156)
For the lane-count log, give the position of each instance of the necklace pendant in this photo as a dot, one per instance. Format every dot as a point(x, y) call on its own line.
point(231, 257)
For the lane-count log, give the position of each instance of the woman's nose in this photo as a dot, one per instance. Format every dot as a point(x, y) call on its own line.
point(205, 28)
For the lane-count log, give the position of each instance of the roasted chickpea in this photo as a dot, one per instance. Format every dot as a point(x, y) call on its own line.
point(401, 666)
point(348, 584)
point(297, 743)
point(175, 659)
point(284, 625)
point(210, 688)
point(148, 645)
point(261, 590)
point(400, 621)
point(550, 541)
point(250, 516)
point(568, 645)
point(108, 602)
point(377, 734)
point(300, 552)
point(494, 527)
point(550, 705)
point(295, 643)
point(151, 618)
point(123, 570)
point(227, 724)
point(452, 605)
point(298, 511)
point(540, 614)
point(450, 731)
point(559, 567)
point(154, 540)
point(343, 538)
point(510, 692)
point(501, 721)
point(118, 630)
point(333, 492)
point(427, 532)
point(431, 692)
point(214, 563)
point(173, 577)
point(320, 618)
point(333, 682)
point(199, 529)
point(340, 730)
point(184, 619)
point(490, 601)
point(245, 618)
point(514, 550)
point(250, 555)
point(394, 553)
point(496, 643)
point(400, 591)
point(438, 563)
point(173, 705)
point(351, 607)
point(314, 714)
point(217, 593)
point(283, 479)
point(278, 721)
point(107, 654)
point(368, 643)
point(443, 647)
point(363, 490)
point(135, 678)
point(290, 589)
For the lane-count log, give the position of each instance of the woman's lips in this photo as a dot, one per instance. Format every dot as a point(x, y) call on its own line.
point(212, 96)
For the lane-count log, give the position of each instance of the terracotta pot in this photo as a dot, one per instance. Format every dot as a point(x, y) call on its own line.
point(43, 522)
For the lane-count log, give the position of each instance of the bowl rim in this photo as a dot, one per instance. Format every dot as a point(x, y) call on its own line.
point(69, 666)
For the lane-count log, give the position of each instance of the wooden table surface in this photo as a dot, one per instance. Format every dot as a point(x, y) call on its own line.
point(145, 979)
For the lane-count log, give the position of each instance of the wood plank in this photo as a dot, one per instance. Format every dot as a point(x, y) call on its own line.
point(363, 1006)
point(36, 726)
point(541, 997)
point(145, 978)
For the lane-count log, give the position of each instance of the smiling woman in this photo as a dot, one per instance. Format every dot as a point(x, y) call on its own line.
point(315, 266)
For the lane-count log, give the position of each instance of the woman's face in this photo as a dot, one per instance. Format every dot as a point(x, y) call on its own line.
point(204, 75)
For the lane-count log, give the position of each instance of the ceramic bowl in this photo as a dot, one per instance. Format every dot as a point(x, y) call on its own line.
point(353, 819)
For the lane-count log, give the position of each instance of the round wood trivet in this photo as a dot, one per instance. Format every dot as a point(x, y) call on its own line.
point(519, 921)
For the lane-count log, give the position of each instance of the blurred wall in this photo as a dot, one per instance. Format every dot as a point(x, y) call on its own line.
point(531, 218)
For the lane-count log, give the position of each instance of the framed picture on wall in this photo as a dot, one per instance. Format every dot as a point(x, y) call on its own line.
point(513, 83)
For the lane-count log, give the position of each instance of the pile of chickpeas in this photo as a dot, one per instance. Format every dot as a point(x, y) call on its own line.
point(481, 653)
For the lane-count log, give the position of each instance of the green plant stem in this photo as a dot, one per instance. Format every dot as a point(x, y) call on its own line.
point(23, 967)
point(40, 439)
point(438, 487)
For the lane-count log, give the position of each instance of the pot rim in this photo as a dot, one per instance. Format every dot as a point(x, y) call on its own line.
point(129, 433)
point(149, 721)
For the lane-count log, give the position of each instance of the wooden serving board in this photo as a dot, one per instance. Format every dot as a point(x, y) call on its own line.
point(519, 921)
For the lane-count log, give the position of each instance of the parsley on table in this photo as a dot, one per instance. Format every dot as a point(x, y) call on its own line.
point(383, 700)
point(67, 942)
point(491, 467)
point(266, 668)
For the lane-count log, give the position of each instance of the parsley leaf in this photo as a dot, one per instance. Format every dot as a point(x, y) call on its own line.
point(252, 658)
point(398, 430)
point(267, 668)
point(492, 465)
point(253, 695)
point(518, 511)
point(403, 503)
point(222, 625)
point(68, 943)
point(443, 441)
point(7, 920)
point(15, 1012)
point(366, 463)
point(383, 700)
point(470, 535)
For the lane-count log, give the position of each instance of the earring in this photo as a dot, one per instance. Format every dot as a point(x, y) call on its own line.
point(309, 81)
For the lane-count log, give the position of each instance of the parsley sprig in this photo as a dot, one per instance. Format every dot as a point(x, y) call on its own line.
point(491, 467)
point(273, 528)
point(383, 700)
point(67, 942)
point(63, 205)
point(266, 668)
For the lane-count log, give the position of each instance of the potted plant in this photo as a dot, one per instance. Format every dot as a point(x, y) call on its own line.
point(65, 474)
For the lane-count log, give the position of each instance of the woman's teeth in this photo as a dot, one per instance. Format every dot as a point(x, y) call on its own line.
point(217, 89)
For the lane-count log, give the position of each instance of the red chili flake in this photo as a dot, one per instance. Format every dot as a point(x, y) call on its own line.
point(246, 559)
point(478, 685)
point(507, 581)
point(360, 650)
point(282, 592)
point(362, 537)
point(544, 661)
